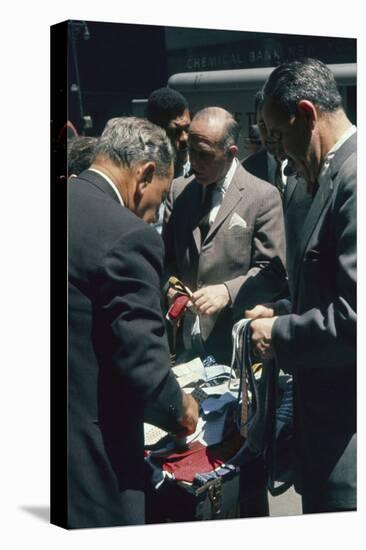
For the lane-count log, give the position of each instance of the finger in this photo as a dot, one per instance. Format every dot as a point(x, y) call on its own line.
point(202, 310)
point(211, 310)
point(250, 313)
point(202, 301)
point(198, 294)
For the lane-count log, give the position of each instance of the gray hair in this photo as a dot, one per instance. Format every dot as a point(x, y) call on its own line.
point(303, 79)
point(131, 140)
point(219, 116)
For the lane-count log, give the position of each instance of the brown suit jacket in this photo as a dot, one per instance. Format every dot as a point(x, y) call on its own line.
point(244, 247)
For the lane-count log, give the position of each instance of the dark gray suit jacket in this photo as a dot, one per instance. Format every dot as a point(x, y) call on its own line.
point(317, 342)
point(296, 204)
point(245, 244)
point(118, 368)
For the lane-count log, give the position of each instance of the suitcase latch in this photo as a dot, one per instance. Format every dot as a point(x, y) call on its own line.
point(214, 493)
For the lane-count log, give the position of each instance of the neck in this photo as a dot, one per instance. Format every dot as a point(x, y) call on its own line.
point(107, 167)
point(332, 129)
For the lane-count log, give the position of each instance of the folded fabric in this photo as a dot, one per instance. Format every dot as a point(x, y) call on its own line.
point(217, 404)
point(197, 459)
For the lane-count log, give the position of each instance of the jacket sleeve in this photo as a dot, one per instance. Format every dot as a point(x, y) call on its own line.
point(266, 278)
point(131, 333)
point(327, 335)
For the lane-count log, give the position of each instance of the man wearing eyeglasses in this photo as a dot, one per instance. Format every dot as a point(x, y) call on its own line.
point(316, 341)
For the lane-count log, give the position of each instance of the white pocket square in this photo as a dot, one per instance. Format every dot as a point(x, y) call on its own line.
point(237, 221)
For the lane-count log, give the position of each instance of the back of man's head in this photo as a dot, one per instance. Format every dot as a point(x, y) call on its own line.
point(80, 151)
point(127, 141)
point(164, 105)
point(308, 79)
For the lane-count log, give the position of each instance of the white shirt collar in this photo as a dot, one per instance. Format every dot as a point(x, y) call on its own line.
point(326, 164)
point(108, 179)
point(224, 183)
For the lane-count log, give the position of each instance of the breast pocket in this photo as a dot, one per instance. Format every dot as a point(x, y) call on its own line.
point(237, 245)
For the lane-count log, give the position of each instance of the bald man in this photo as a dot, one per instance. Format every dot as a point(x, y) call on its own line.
point(223, 230)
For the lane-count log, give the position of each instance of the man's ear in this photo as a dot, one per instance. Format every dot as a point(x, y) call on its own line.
point(232, 151)
point(145, 174)
point(308, 110)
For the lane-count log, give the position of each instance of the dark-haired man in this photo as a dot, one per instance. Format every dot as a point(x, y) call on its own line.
point(169, 109)
point(118, 370)
point(271, 165)
point(316, 342)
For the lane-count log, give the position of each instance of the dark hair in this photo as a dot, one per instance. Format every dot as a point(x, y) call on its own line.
point(303, 79)
point(130, 140)
point(80, 151)
point(164, 105)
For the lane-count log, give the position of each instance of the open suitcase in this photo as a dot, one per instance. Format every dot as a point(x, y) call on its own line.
point(212, 490)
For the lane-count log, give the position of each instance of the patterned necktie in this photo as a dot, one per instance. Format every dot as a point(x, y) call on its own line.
point(206, 207)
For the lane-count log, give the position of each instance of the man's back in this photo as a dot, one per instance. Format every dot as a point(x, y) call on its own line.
point(118, 355)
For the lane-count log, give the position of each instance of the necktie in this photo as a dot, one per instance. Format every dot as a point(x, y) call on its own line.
point(278, 178)
point(205, 210)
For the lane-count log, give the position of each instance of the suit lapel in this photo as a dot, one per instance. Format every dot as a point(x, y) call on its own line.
point(289, 191)
point(321, 200)
point(232, 196)
point(191, 208)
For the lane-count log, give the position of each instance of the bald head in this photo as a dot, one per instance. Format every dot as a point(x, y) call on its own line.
point(219, 123)
point(213, 135)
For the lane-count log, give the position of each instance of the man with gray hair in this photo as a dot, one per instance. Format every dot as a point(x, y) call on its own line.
point(224, 230)
point(118, 372)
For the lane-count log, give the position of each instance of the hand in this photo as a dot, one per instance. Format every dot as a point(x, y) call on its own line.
point(211, 299)
point(262, 337)
point(190, 414)
point(260, 312)
point(171, 295)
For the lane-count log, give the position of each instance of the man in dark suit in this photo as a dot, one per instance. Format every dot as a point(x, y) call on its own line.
point(222, 228)
point(316, 342)
point(118, 372)
point(270, 165)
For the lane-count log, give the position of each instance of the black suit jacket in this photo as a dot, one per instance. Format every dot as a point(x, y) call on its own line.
point(118, 367)
point(317, 342)
point(257, 164)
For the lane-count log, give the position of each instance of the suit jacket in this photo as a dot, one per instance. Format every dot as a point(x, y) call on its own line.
point(118, 367)
point(296, 204)
point(317, 342)
point(257, 164)
point(244, 244)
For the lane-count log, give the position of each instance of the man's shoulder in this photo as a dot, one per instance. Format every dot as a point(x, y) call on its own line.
point(179, 184)
point(254, 185)
point(103, 216)
point(254, 159)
